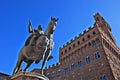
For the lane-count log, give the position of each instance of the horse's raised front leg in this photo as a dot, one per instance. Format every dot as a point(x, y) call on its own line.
point(47, 54)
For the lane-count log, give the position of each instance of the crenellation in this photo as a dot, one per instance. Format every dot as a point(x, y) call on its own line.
point(58, 63)
point(84, 31)
point(75, 37)
point(67, 43)
point(52, 66)
point(90, 28)
point(80, 34)
point(46, 68)
point(71, 40)
point(63, 46)
point(49, 66)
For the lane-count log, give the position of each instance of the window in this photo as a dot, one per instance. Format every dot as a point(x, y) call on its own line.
point(103, 77)
point(53, 74)
point(61, 53)
point(73, 67)
point(48, 75)
point(79, 63)
point(83, 39)
point(69, 48)
point(97, 41)
point(97, 19)
point(94, 32)
point(97, 55)
point(65, 50)
point(88, 60)
point(73, 45)
point(94, 43)
point(89, 44)
point(88, 36)
point(78, 42)
point(59, 72)
point(66, 70)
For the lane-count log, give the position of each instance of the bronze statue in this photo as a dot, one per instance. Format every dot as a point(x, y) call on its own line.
point(40, 50)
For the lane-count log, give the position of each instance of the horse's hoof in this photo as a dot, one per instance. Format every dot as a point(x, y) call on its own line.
point(41, 72)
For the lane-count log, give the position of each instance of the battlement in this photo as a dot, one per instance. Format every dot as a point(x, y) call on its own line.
point(78, 36)
point(52, 66)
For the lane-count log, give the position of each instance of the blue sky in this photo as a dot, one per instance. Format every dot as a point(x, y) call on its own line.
point(74, 17)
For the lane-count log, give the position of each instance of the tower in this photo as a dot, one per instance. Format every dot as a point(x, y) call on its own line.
point(112, 52)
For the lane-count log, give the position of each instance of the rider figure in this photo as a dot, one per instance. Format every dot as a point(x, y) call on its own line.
point(35, 32)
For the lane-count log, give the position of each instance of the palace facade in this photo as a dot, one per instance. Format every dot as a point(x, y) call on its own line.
point(93, 55)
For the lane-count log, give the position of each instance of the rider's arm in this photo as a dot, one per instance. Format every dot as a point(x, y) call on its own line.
point(30, 29)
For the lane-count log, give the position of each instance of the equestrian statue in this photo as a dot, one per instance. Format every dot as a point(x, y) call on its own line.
point(38, 46)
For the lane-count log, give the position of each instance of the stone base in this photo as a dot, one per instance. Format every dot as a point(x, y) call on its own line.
point(28, 76)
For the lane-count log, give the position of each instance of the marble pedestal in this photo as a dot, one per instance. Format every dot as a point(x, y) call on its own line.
point(28, 76)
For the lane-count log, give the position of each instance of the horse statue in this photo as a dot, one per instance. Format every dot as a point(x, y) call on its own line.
point(41, 50)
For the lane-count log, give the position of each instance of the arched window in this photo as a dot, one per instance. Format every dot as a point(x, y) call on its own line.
point(94, 32)
point(88, 36)
point(89, 44)
point(61, 53)
point(85, 47)
point(88, 60)
point(78, 42)
point(48, 75)
point(97, 55)
point(53, 74)
point(65, 50)
point(69, 48)
point(59, 72)
point(66, 70)
point(103, 77)
point(83, 39)
point(73, 67)
point(79, 63)
point(97, 41)
point(94, 43)
point(73, 45)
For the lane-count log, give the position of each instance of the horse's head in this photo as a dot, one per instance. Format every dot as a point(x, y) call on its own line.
point(52, 25)
point(54, 21)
